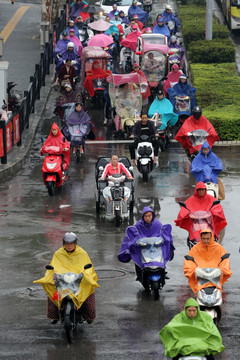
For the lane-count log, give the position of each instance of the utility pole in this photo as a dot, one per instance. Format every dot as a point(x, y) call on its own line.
point(209, 19)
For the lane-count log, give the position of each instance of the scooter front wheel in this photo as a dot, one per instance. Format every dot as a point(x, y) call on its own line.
point(50, 188)
point(68, 323)
point(118, 218)
point(145, 172)
point(155, 289)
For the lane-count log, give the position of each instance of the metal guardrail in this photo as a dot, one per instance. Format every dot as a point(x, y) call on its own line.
point(11, 131)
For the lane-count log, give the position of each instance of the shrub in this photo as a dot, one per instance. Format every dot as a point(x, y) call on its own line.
point(212, 51)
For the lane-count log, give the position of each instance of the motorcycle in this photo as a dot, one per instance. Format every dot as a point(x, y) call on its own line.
point(127, 59)
point(54, 172)
point(144, 156)
point(68, 287)
point(209, 298)
point(197, 221)
point(147, 5)
point(116, 195)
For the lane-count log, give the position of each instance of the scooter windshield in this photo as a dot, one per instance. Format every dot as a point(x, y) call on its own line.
point(206, 275)
point(154, 65)
point(68, 283)
point(197, 137)
point(151, 250)
point(182, 103)
point(127, 100)
point(201, 220)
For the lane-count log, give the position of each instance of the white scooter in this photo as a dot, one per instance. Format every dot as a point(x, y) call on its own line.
point(144, 156)
point(193, 357)
point(209, 298)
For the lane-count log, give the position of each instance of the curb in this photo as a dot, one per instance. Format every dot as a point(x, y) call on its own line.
point(16, 157)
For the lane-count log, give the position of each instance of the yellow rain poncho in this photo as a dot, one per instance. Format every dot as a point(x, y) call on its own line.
point(64, 262)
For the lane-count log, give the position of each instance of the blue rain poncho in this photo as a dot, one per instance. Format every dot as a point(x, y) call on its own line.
point(165, 108)
point(206, 167)
point(163, 29)
point(113, 29)
point(136, 10)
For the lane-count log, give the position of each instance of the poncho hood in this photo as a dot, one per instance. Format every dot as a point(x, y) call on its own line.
point(147, 209)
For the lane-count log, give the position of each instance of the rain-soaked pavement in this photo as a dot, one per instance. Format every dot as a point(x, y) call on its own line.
point(128, 321)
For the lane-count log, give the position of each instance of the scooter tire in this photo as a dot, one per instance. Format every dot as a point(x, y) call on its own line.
point(118, 218)
point(68, 323)
point(51, 188)
point(155, 289)
point(78, 155)
point(145, 173)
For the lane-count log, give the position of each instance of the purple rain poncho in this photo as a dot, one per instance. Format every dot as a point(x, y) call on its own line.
point(206, 168)
point(130, 250)
point(78, 117)
point(61, 46)
point(136, 10)
point(76, 10)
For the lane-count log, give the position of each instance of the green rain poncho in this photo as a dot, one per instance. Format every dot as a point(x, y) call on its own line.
point(185, 336)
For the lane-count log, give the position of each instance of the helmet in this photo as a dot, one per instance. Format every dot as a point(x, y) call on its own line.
point(197, 112)
point(69, 238)
point(70, 44)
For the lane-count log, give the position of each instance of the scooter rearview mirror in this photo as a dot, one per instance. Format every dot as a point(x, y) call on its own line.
point(215, 202)
point(188, 257)
point(225, 256)
point(87, 266)
point(42, 139)
point(64, 139)
point(49, 267)
point(182, 203)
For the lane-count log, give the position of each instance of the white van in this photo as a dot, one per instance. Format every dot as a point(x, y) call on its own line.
point(107, 5)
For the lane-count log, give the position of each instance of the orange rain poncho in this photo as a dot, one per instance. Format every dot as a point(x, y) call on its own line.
point(206, 256)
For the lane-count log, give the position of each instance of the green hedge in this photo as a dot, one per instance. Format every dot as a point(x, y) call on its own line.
point(212, 51)
point(193, 20)
point(193, 2)
point(218, 88)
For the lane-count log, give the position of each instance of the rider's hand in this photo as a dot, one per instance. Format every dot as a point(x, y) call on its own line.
point(131, 136)
point(157, 135)
point(130, 178)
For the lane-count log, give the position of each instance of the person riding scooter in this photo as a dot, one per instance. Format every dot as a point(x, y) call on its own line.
point(192, 332)
point(144, 127)
point(207, 254)
point(115, 167)
point(147, 227)
point(71, 258)
point(200, 201)
point(206, 166)
point(196, 122)
point(56, 138)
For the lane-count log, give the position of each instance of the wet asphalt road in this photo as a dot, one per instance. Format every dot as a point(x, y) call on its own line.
point(128, 320)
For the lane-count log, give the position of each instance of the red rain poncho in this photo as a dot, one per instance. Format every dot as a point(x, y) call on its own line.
point(206, 256)
point(196, 203)
point(172, 78)
point(58, 141)
point(192, 124)
point(143, 80)
point(130, 40)
point(94, 74)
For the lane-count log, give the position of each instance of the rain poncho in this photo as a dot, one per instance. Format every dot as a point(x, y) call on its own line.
point(143, 81)
point(124, 18)
point(77, 9)
point(206, 256)
point(94, 74)
point(165, 109)
point(64, 262)
point(129, 249)
point(197, 203)
point(185, 336)
point(172, 78)
point(130, 40)
point(171, 17)
point(76, 42)
point(75, 30)
point(163, 29)
point(136, 10)
point(61, 46)
point(113, 29)
point(58, 141)
point(192, 124)
point(206, 167)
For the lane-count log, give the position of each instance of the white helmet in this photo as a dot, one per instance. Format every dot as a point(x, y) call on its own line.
point(70, 44)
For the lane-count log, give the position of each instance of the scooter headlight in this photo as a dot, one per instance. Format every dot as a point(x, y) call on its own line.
point(141, 151)
point(148, 150)
point(51, 166)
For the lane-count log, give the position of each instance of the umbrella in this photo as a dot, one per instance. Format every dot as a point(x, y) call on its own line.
point(100, 25)
point(93, 9)
point(101, 40)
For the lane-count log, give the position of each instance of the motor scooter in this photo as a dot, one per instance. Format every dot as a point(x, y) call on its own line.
point(147, 5)
point(193, 357)
point(144, 156)
point(199, 220)
point(68, 285)
point(209, 298)
point(54, 171)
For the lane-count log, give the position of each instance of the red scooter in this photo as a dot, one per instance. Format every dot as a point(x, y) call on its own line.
point(54, 171)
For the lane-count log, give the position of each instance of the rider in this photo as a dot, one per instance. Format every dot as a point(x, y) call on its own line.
point(163, 107)
point(66, 96)
point(172, 77)
point(115, 167)
point(207, 254)
point(148, 226)
point(96, 73)
point(201, 201)
point(206, 166)
point(143, 127)
point(136, 10)
point(66, 74)
point(161, 28)
point(195, 122)
point(173, 44)
point(71, 258)
point(192, 332)
point(168, 16)
point(56, 138)
point(150, 63)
